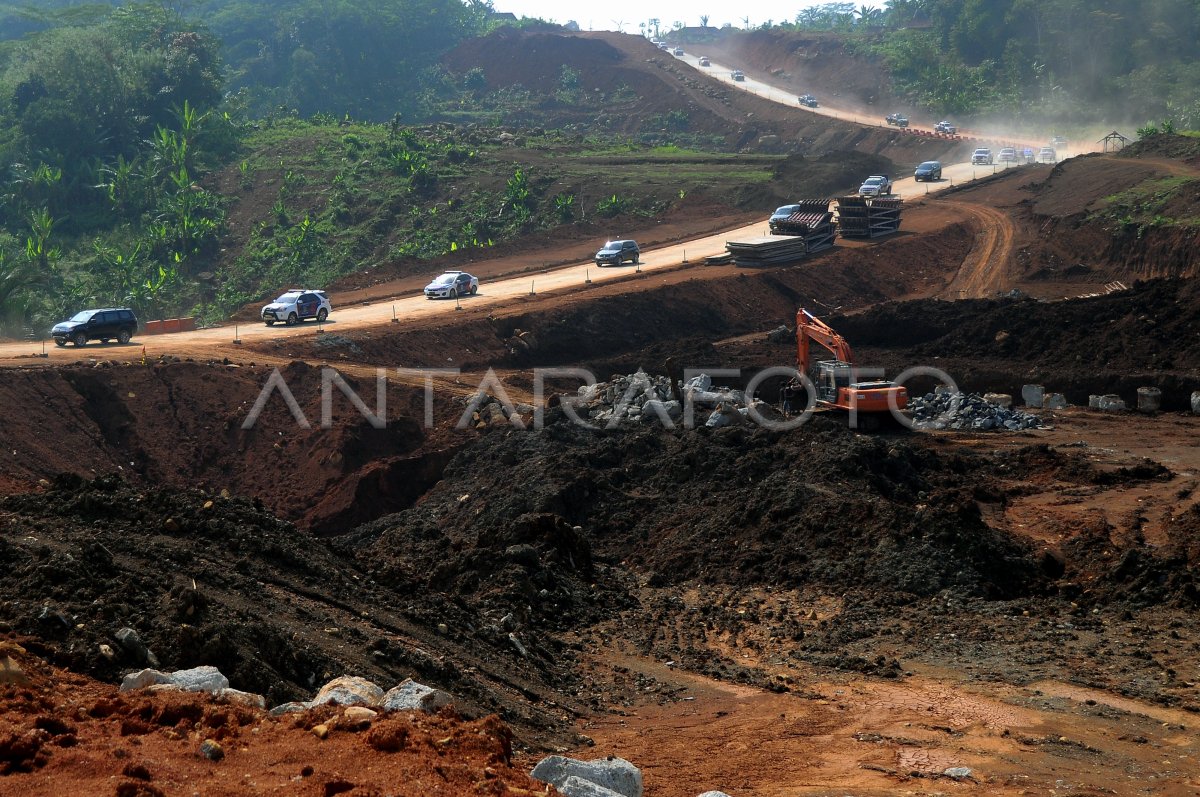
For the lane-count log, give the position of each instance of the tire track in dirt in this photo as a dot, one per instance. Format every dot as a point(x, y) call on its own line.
point(986, 269)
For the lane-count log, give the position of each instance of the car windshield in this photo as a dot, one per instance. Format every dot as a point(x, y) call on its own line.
point(786, 210)
point(614, 244)
point(873, 181)
point(444, 279)
point(79, 318)
point(929, 165)
point(287, 297)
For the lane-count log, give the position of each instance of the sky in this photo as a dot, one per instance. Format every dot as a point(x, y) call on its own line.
point(626, 15)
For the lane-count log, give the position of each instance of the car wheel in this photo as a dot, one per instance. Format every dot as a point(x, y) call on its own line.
point(322, 314)
point(269, 323)
point(103, 341)
point(60, 341)
point(291, 319)
point(80, 339)
point(474, 289)
point(453, 293)
point(636, 259)
point(124, 336)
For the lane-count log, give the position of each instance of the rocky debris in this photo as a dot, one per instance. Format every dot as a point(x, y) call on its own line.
point(196, 679)
point(1109, 402)
point(1055, 401)
point(999, 399)
point(958, 773)
point(495, 413)
point(132, 644)
point(602, 777)
point(352, 691)
point(212, 750)
point(348, 690)
point(640, 398)
point(10, 671)
point(781, 334)
point(714, 794)
point(967, 411)
point(412, 696)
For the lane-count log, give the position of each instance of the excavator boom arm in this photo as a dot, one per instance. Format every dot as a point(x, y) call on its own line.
point(809, 328)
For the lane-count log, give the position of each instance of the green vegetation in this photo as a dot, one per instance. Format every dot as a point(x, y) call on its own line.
point(1150, 205)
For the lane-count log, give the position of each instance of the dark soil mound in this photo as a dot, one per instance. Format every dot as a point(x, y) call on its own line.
point(820, 506)
point(208, 579)
point(1153, 327)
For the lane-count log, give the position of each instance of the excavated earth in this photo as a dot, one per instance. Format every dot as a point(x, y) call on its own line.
point(814, 611)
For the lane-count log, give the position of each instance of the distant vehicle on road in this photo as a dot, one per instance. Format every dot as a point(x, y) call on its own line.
point(876, 185)
point(928, 171)
point(104, 325)
point(945, 127)
point(704, 61)
point(1007, 155)
point(981, 157)
point(808, 101)
point(896, 119)
point(1058, 142)
point(617, 252)
point(781, 214)
point(737, 74)
point(292, 307)
point(1047, 155)
point(678, 51)
point(451, 285)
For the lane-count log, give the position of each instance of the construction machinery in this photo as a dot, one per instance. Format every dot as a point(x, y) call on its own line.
point(835, 381)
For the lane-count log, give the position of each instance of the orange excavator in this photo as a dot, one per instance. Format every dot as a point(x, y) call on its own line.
point(836, 381)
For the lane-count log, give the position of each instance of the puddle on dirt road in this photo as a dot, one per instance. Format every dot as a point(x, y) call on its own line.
point(870, 737)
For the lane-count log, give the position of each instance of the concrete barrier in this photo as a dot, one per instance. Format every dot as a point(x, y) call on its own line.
point(1032, 395)
point(163, 326)
point(1149, 399)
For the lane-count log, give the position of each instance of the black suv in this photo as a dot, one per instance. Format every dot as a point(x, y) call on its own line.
point(102, 325)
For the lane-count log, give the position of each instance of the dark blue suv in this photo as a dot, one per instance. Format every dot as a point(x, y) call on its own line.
point(104, 325)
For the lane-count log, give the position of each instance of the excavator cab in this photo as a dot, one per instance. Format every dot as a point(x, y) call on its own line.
point(830, 377)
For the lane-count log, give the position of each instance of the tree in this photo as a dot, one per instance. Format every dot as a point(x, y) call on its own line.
point(704, 20)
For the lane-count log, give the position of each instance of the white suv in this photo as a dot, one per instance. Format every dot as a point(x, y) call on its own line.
point(981, 157)
point(296, 305)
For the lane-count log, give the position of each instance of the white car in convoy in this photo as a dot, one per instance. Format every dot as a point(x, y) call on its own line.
point(451, 285)
point(296, 305)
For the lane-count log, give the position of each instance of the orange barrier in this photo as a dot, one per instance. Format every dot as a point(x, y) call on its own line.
point(167, 325)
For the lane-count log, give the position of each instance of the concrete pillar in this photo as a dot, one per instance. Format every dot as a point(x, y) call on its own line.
point(1149, 399)
point(1032, 395)
point(1112, 403)
point(1094, 401)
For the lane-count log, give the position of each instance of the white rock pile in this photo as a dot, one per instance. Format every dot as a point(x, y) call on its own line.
point(347, 690)
point(967, 411)
point(640, 398)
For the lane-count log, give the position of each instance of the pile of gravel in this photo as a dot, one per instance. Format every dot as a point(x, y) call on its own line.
point(967, 411)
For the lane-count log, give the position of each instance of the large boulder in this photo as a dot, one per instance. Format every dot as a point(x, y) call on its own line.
point(412, 696)
point(349, 690)
point(197, 679)
point(614, 774)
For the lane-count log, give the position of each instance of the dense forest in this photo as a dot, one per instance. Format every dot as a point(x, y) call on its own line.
point(116, 120)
